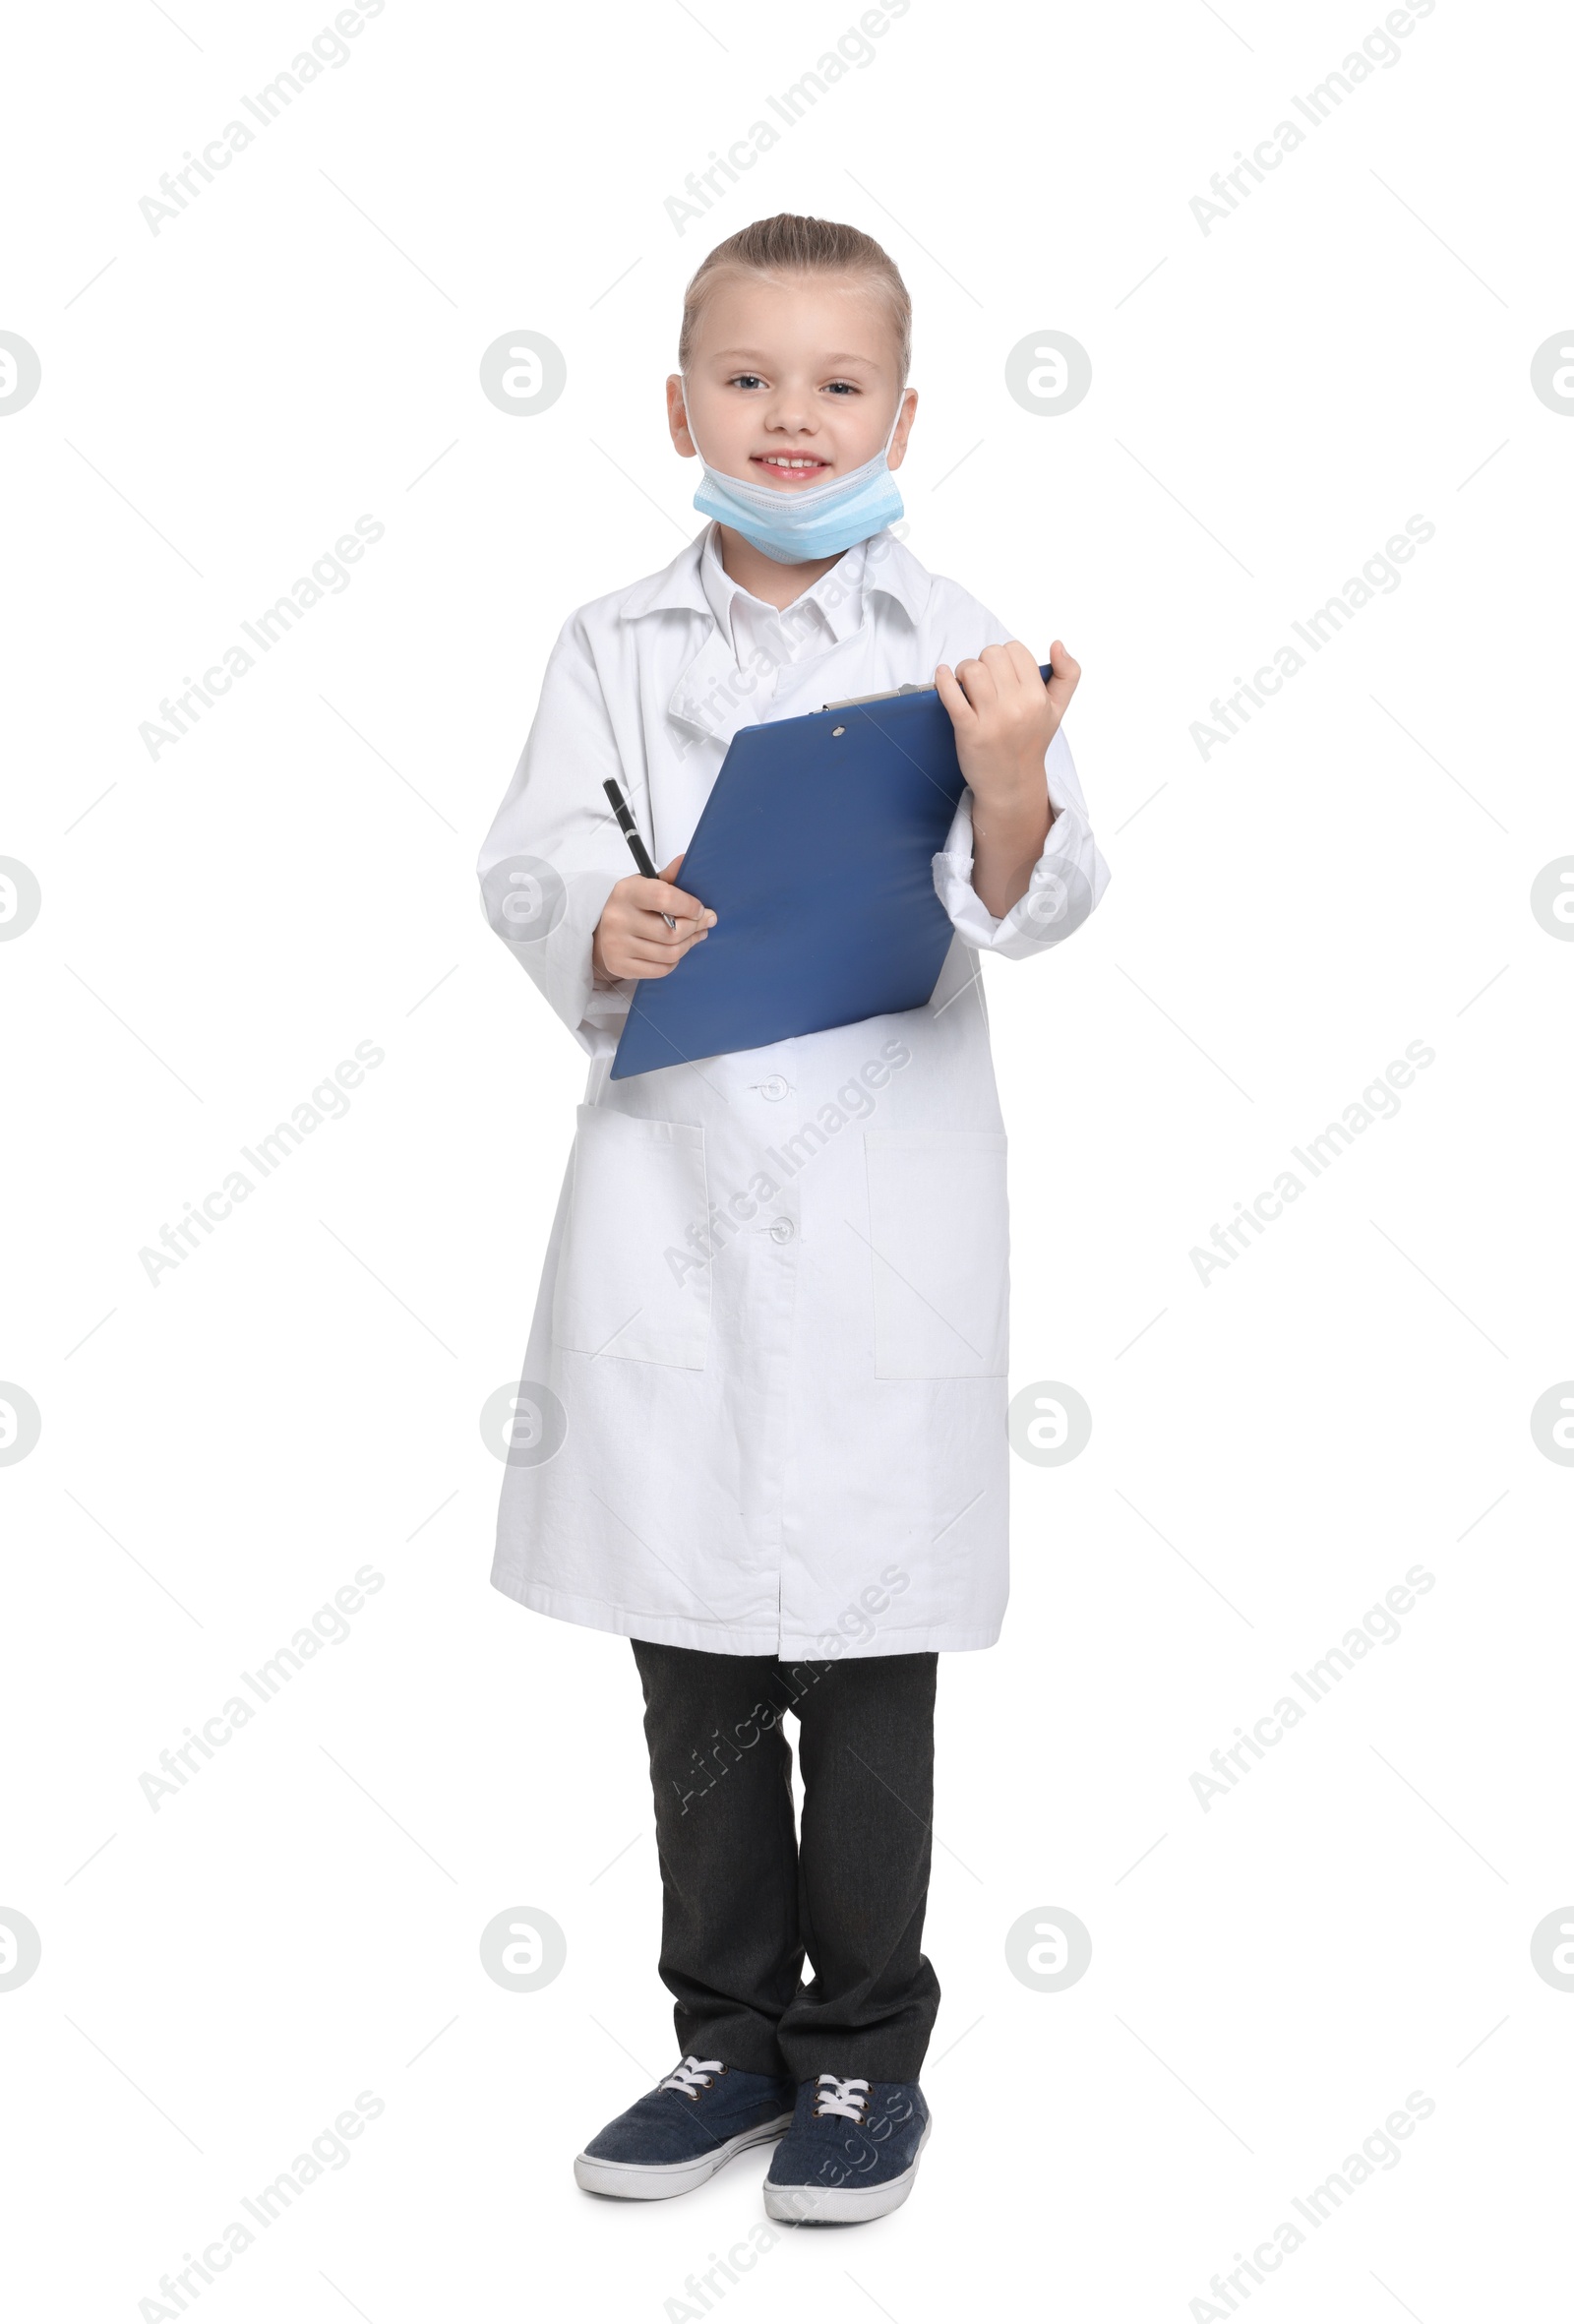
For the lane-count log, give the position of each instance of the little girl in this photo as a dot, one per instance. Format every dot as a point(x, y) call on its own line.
point(761, 1427)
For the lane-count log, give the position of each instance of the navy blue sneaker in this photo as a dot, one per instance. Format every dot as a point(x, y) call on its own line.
point(682, 2132)
point(851, 2153)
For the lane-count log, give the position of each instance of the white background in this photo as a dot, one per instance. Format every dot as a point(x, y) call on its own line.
point(301, 1397)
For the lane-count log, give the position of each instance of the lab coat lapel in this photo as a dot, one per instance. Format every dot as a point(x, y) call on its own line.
point(711, 697)
point(705, 711)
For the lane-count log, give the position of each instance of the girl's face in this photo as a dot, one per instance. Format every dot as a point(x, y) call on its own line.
point(792, 383)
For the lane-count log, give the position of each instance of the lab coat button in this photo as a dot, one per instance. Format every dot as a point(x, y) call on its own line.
point(781, 1230)
point(773, 1089)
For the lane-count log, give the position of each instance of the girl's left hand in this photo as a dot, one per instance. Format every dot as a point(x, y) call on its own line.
point(1005, 717)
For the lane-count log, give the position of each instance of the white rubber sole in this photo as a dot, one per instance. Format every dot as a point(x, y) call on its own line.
point(654, 2182)
point(844, 2206)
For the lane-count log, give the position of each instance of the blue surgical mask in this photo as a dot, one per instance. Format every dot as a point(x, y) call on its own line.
point(802, 522)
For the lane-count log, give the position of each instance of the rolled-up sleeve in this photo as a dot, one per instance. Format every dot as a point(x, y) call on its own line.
point(1067, 881)
point(554, 852)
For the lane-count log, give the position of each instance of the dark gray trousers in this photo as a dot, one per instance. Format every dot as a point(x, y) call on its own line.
point(744, 1897)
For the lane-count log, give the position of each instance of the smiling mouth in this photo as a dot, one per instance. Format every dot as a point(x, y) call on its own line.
point(790, 469)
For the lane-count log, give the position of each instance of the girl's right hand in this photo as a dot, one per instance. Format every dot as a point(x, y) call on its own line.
point(631, 938)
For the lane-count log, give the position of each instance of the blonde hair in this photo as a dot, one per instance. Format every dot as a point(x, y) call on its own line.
point(788, 245)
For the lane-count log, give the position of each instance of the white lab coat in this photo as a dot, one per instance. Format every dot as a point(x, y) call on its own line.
point(763, 1402)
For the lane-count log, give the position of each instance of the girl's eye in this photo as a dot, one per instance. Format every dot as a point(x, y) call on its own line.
point(752, 379)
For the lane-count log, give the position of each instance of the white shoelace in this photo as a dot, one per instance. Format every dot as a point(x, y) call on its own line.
point(844, 2097)
point(691, 2076)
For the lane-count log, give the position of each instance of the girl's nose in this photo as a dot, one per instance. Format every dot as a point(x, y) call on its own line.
point(790, 419)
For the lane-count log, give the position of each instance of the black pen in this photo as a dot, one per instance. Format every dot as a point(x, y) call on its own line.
point(630, 832)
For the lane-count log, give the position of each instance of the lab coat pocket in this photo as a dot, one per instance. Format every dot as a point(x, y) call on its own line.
point(939, 1251)
point(630, 1282)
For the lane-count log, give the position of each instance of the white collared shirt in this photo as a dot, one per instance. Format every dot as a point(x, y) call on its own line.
point(827, 613)
point(763, 1402)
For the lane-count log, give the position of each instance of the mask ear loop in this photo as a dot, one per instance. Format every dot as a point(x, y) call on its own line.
point(690, 425)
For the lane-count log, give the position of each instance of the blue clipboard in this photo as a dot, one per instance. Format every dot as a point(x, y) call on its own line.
point(813, 850)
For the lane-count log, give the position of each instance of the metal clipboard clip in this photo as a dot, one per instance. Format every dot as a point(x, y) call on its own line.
point(856, 700)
